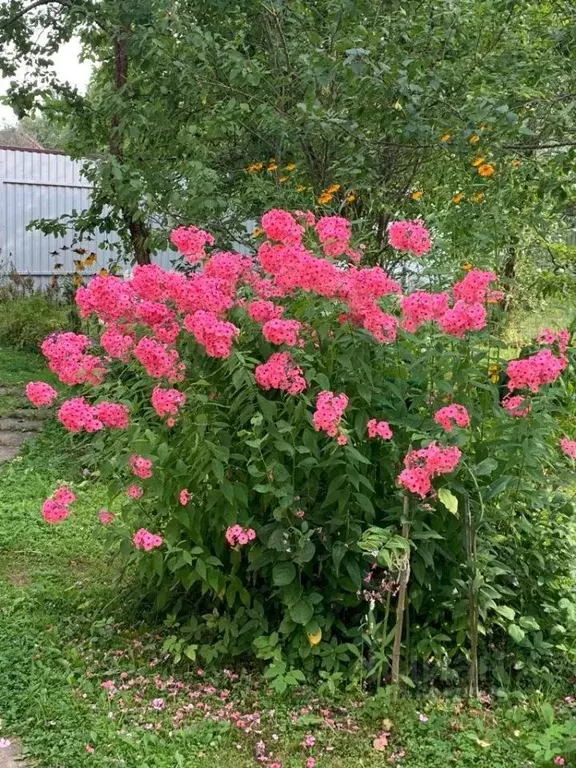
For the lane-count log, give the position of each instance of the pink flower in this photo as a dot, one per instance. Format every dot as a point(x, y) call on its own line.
point(558, 760)
point(329, 412)
point(452, 415)
point(64, 496)
point(568, 447)
point(279, 372)
point(409, 236)
point(77, 414)
point(159, 361)
point(379, 429)
point(535, 371)
point(236, 535)
point(282, 332)
point(462, 318)
point(310, 763)
point(113, 415)
point(40, 394)
point(5, 743)
point(342, 440)
point(89, 748)
point(262, 311)
point(68, 360)
point(143, 539)
point(134, 491)
point(215, 335)
point(108, 685)
point(191, 242)
point(423, 465)
point(334, 233)
point(422, 717)
point(185, 496)
point(474, 288)
point(158, 704)
point(517, 406)
point(141, 467)
point(282, 226)
point(420, 307)
point(309, 740)
point(167, 402)
point(106, 517)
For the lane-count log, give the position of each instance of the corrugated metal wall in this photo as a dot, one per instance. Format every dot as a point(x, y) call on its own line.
point(42, 184)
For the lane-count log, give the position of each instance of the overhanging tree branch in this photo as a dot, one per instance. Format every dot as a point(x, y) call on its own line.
point(28, 8)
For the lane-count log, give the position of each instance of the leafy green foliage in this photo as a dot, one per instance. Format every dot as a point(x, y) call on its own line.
point(26, 321)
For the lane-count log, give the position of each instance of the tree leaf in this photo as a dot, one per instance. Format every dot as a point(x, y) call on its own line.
point(283, 574)
point(447, 499)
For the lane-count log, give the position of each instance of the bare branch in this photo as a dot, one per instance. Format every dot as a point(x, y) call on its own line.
point(24, 11)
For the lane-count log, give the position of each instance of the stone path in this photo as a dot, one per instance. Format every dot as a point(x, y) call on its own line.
point(22, 423)
point(10, 757)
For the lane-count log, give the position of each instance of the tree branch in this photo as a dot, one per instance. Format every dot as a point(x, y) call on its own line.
point(28, 8)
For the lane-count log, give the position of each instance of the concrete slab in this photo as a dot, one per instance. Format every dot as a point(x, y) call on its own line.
point(10, 757)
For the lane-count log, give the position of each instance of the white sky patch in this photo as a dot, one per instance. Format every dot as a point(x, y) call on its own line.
point(67, 66)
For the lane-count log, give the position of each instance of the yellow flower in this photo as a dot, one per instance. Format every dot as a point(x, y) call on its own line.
point(103, 272)
point(78, 280)
point(417, 194)
point(478, 161)
point(333, 188)
point(350, 197)
point(255, 167)
point(290, 167)
point(272, 166)
point(484, 127)
point(458, 198)
point(283, 179)
point(90, 260)
point(79, 264)
point(516, 163)
point(300, 188)
point(494, 373)
point(325, 197)
point(486, 170)
point(467, 266)
point(446, 137)
point(474, 139)
point(478, 197)
point(257, 232)
point(315, 638)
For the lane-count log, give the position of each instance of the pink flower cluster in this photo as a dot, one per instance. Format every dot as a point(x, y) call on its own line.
point(517, 406)
point(191, 242)
point(117, 344)
point(282, 226)
point(452, 415)
point(279, 372)
point(141, 467)
point(77, 414)
point(236, 535)
point(106, 517)
point(158, 360)
point(379, 429)
point(423, 465)
point(184, 496)
point(40, 394)
point(57, 507)
point(463, 317)
point(167, 402)
point(263, 311)
point(568, 447)
point(67, 359)
point(421, 307)
point(334, 233)
point(409, 236)
point(134, 491)
point(535, 371)
point(282, 332)
point(214, 334)
point(329, 412)
point(549, 337)
point(143, 539)
point(475, 287)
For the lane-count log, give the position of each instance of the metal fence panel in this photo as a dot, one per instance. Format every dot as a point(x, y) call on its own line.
point(36, 184)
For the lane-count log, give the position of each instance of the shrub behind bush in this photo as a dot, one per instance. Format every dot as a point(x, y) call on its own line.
point(26, 321)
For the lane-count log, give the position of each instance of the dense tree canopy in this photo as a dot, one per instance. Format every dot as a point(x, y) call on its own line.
point(460, 112)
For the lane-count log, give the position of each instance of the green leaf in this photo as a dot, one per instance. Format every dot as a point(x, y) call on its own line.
point(516, 633)
point(527, 622)
point(447, 498)
point(506, 611)
point(301, 612)
point(485, 467)
point(283, 574)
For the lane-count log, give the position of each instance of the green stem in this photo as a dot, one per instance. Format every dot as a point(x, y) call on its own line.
point(402, 589)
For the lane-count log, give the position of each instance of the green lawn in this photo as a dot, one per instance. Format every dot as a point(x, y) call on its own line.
point(66, 628)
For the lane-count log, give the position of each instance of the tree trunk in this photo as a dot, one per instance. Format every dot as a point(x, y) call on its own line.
point(401, 605)
point(137, 230)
